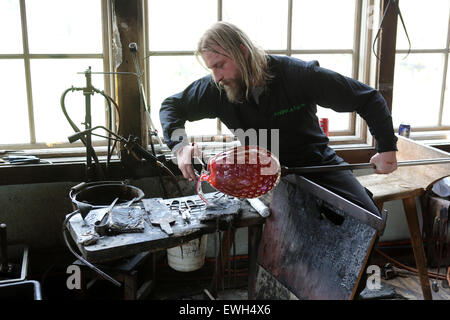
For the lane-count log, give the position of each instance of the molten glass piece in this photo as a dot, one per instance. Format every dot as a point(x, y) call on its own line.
point(242, 172)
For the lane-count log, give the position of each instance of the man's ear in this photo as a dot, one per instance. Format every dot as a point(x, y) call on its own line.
point(245, 51)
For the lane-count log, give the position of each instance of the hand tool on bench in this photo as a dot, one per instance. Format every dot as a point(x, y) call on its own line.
point(164, 222)
point(101, 225)
point(183, 208)
point(159, 214)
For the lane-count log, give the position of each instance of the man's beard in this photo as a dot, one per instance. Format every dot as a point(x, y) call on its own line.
point(234, 90)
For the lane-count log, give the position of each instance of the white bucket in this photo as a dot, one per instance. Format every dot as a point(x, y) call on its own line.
point(189, 256)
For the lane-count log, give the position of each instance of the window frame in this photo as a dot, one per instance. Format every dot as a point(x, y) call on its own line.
point(364, 68)
point(26, 57)
point(356, 135)
point(432, 135)
point(445, 52)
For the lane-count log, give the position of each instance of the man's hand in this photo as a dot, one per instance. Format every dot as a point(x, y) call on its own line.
point(184, 160)
point(385, 162)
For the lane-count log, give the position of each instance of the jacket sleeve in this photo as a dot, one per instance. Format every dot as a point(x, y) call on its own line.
point(343, 94)
point(198, 101)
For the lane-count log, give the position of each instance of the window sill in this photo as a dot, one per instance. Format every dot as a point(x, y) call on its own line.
point(436, 139)
point(69, 164)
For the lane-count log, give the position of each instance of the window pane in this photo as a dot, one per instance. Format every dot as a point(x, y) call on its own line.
point(56, 26)
point(267, 23)
point(179, 24)
point(446, 113)
point(341, 63)
point(427, 25)
point(10, 27)
point(13, 103)
point(323, 24)
point(50, 78)
point(417, 89)
point(169, 75)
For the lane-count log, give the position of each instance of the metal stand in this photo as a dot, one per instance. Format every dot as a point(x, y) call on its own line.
point(88, 92)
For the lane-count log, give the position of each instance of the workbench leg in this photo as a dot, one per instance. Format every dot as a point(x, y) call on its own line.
point(409, 205)
point(254, 237)
point(224, 255)
point(130, 286)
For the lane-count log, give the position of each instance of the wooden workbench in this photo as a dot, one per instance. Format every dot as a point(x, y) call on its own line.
point(110, 248)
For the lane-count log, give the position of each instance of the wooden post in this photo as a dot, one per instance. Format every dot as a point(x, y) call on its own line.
point(388, 39)
point(130, 26)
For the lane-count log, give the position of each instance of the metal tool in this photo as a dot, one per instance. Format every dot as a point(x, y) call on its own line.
point(185, 214)
point(22, 159)
point(337, 167)
point(182, 207)
point(342, 204)
point(101, 225)
point(129, 203)
point(192, 206)
point(164, 222)
point(159, 214)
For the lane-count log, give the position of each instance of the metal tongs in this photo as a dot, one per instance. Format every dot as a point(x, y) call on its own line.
point(202, 162)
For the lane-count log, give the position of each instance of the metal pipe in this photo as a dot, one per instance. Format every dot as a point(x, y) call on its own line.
point(338, 167)
point(88, 122)
point(133, 48)
point(87, 263)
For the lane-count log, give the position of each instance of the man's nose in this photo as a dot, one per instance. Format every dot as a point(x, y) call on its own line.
point(217, 76)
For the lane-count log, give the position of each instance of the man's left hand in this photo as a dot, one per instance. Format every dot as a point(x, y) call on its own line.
point(385, 162)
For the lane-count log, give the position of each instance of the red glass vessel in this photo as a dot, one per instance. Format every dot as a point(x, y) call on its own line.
point(242, 172)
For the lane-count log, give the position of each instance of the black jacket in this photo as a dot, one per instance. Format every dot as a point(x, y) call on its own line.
point(288, 103)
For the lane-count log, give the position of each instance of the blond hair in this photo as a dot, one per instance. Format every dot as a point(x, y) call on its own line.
point(230, 38)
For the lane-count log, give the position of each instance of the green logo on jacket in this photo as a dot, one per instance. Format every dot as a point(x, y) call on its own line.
point(288, 110)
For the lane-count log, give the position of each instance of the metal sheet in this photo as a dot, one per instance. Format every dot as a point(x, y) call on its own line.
point(308, 254)
point(343, 205)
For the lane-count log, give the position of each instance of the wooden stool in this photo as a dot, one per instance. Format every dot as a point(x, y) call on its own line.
point(388, 188)
point(405, 184)
point(125, 271)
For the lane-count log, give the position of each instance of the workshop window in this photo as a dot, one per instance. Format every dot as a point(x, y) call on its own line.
point(421, 95)
point(288, 27)
point(45, 44)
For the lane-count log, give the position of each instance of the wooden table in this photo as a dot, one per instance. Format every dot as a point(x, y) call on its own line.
point(110, 248)
point(407, 183)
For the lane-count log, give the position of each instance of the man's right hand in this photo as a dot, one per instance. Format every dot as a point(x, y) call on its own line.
point(184, 160)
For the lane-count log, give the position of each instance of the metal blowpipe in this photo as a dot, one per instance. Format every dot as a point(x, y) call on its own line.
point(337, 167)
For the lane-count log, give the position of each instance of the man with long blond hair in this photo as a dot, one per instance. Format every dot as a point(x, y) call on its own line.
point(250, 89)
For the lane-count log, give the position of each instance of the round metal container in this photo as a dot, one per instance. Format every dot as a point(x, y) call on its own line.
point(103, 193)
